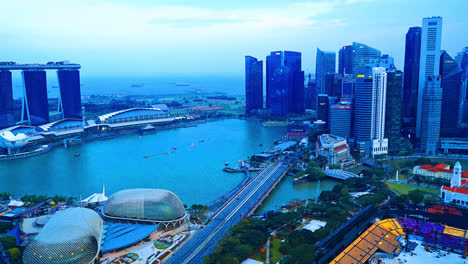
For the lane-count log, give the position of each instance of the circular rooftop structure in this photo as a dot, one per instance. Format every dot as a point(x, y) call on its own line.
point(9, 140)
point(70, 236)
point(145, 205)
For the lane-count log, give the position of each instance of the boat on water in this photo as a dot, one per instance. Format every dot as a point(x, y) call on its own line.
point(201, 140)
point(174, 148)
point(77, 154)
point(193, 145)
point(227, 163)
point(260, 145)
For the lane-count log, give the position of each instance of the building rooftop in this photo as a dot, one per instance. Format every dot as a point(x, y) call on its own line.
point(118, 236)
point(37, 66)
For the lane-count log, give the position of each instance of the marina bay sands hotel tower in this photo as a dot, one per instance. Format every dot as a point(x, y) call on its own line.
point(35, 107)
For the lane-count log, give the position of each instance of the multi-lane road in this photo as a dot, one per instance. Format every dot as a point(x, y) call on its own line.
point(241, 205)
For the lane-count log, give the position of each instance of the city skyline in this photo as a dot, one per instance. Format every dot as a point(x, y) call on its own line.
point(121, 37)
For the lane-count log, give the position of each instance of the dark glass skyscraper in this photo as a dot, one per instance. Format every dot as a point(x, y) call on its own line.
point(340, 120)
point(323, 104)
point(274, 61)
point(393, 111)
point(310, 96)
point(70, 94)
point(347, 88)
point(451, 95)
point(333, 84)
point(411, 76)
point(35, 104)
point(7, 117)
point(285, 84)
point(345, 60)
point(253, 84)
point(325, 63)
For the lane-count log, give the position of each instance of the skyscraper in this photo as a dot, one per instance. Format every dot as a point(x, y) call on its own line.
point(293, 60)
point(310, 96)
point(70, 93)
point(345, 60)
point(333, 84)
point(7, 117)
point(253, 84)
point(429, 61)
point(451, 95)
point(411, 76)
point(285, 83)
point(340, 119)
point(347, 88)
point(274, 61)
point(323, 107)
point(459, 57)
point(369, 115)
point(363, 55)
point(393, 111)
point(35, 103)
point(430, 118)
point(325, 63)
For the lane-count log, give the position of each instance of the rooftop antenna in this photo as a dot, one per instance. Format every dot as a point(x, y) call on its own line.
point(104, 189)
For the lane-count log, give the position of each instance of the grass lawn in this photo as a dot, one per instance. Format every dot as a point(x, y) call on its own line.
point(405, 188)
point(275, 255)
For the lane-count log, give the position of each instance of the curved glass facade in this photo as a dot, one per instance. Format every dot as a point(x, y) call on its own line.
point(70, 236)
point(145, 204)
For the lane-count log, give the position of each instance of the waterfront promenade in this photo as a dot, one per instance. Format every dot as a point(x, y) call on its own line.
point(240, 206)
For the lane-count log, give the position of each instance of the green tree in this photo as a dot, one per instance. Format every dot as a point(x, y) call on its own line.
point(315, 173)
point(322, 161)
point(14, 253)
point(8, 241)
point(4, 227)
point(416, 196)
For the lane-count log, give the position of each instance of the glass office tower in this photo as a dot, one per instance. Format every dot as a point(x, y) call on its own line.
point(325, 63)
point(393, 111)
point(7, 117)
point(70, 95)
point(363, 56)
point(340, 120)
point(345, 60)
point(451, 95)
point(411, 76)
point(35, 104)
point(253, 84)
point(429, 63)
point(274, 61)
point(431, 111)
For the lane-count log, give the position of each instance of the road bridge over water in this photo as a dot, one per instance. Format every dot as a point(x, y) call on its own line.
point(241, 205)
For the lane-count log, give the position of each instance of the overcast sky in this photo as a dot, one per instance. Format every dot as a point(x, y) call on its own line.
point(147, 37)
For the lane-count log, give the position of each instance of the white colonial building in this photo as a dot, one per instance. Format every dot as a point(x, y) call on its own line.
point(458, 190)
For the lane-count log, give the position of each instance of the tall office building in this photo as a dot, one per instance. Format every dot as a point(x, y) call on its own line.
point(451, 95)
point(253, 84)
point(347, 88)
point(310, 96)
point(70, 93)
point(393, 111)
point(323, 104)
point(333, 84)
point(411, 76)
point(369, 115)
point(293, 60)
point(35, 103)
point(285, 84)
point(340, 119)
point(429, 64)
point(345, 60)
point(363, 56)
point(459, 57)
point(7, 117)
point(274, 61)
point(325, 63)
point(431, 112)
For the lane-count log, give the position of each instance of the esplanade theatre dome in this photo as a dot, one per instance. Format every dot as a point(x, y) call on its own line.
point(145, 205)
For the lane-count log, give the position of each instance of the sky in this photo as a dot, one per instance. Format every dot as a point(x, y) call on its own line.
point(151, 37)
